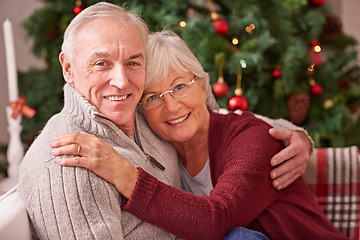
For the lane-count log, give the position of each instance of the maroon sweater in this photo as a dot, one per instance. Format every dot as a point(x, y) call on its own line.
point(240, 150)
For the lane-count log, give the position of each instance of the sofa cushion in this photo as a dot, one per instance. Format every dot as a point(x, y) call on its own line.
point(14, 222)
point(333, 177)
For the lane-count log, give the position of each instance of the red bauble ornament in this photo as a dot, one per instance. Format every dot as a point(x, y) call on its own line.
point(77, 9)
point(354, 108)
point(237, 102)
point(276, 73)
point(317, 3)
point(220, 89)
point(316, 59)
point(344, 83)
point(221, 26)
point(316, 89)
point(315, 43)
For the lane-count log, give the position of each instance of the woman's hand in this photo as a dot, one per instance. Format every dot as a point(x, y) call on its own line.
point(95, 155)
point(291, 162)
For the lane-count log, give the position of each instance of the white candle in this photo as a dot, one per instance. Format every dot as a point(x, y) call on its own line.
point(10, 61)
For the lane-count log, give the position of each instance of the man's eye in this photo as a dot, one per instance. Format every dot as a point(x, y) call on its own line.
point(151, 98)
point(179, 87)
point(133, 64)
point(100, 64)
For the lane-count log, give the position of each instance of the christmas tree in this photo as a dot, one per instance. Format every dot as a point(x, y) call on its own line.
point(279, 58)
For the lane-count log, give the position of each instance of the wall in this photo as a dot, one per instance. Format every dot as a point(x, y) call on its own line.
point(19, 10)
point(348, 12)
point(16, 11)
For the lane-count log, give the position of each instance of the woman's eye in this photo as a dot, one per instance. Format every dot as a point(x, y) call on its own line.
point(151, 98)
point(179, 87)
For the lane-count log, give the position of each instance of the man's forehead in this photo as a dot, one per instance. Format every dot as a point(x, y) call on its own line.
point(99, 23)
point(101, 33)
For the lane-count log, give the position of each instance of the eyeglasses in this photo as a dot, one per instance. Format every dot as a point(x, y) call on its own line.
point(151, 101)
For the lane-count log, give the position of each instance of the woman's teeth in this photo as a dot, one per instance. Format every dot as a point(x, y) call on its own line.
point(178, 120)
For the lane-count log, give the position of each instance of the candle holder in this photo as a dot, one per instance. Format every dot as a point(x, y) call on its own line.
point(15, 152)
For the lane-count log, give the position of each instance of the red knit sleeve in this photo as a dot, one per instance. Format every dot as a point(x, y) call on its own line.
point(242, 191)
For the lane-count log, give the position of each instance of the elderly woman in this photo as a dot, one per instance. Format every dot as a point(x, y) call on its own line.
point(224, 159)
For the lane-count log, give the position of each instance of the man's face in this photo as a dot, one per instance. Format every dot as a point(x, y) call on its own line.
point(108, 68)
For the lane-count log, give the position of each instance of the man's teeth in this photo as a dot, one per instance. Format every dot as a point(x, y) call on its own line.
point(178, 120)
point(116, 98)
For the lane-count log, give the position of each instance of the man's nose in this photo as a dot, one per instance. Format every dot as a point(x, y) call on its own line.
point(119, 77)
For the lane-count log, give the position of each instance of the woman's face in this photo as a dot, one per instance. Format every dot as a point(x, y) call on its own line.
point(181, 119)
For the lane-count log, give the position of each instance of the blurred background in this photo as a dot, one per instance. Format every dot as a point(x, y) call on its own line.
point(292, 59)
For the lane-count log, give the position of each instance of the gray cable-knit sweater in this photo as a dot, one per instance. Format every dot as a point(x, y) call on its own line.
point(74, 203)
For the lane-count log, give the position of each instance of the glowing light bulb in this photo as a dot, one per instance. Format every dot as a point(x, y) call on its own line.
point(182, 24)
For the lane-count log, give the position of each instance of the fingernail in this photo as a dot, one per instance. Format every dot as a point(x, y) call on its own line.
point(273, 175)
point(276, 183)
point(279, 188)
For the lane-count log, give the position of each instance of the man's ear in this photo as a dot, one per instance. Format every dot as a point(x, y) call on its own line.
point(66, 68)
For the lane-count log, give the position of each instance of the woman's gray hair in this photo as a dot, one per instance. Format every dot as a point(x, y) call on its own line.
point(165, 52)
point(100, 10)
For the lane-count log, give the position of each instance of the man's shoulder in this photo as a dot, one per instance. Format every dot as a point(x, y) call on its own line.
point(38, 158)
point(231, 128)
point(237, 120)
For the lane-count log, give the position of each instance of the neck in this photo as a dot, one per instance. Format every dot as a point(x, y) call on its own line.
point(127, 131)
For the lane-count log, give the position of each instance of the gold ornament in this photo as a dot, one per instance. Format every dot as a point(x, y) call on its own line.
point(238, 90)
point(249, 29)
point(328, 103)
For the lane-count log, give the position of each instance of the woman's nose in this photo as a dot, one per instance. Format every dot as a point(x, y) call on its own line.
point(170, 103)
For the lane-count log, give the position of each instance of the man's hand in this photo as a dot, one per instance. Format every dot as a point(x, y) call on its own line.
point(291, 162)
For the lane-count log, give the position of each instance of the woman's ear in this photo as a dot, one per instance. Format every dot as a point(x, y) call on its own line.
point(66, 68)
point(202, 84)
point(203, 87)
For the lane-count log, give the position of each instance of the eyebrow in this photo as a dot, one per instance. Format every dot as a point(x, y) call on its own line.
point(96, 55)
point(172, 83)
point(138, 55)
point(107, 55)
point(177, 79)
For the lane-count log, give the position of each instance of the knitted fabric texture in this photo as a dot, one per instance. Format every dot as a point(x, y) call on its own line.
point(74, 203)
point(240, 150)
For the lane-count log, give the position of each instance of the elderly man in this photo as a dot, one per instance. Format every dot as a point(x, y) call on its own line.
point(103, 62)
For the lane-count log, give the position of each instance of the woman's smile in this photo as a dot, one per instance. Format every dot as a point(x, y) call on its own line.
point(178, 120)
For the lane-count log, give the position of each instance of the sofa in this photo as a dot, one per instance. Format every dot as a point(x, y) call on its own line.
point(14, 222)
point(332, 175)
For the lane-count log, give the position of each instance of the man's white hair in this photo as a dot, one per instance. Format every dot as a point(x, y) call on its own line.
point(100, 10)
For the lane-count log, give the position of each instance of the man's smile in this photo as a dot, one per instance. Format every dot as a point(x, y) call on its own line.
point(117, 98)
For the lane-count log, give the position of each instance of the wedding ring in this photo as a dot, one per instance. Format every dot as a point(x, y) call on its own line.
point(78, 150)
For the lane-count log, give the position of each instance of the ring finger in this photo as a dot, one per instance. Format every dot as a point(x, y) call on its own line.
point(71, 149)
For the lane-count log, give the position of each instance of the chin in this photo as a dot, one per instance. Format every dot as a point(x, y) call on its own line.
point(180, 138)
point(122, 118)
